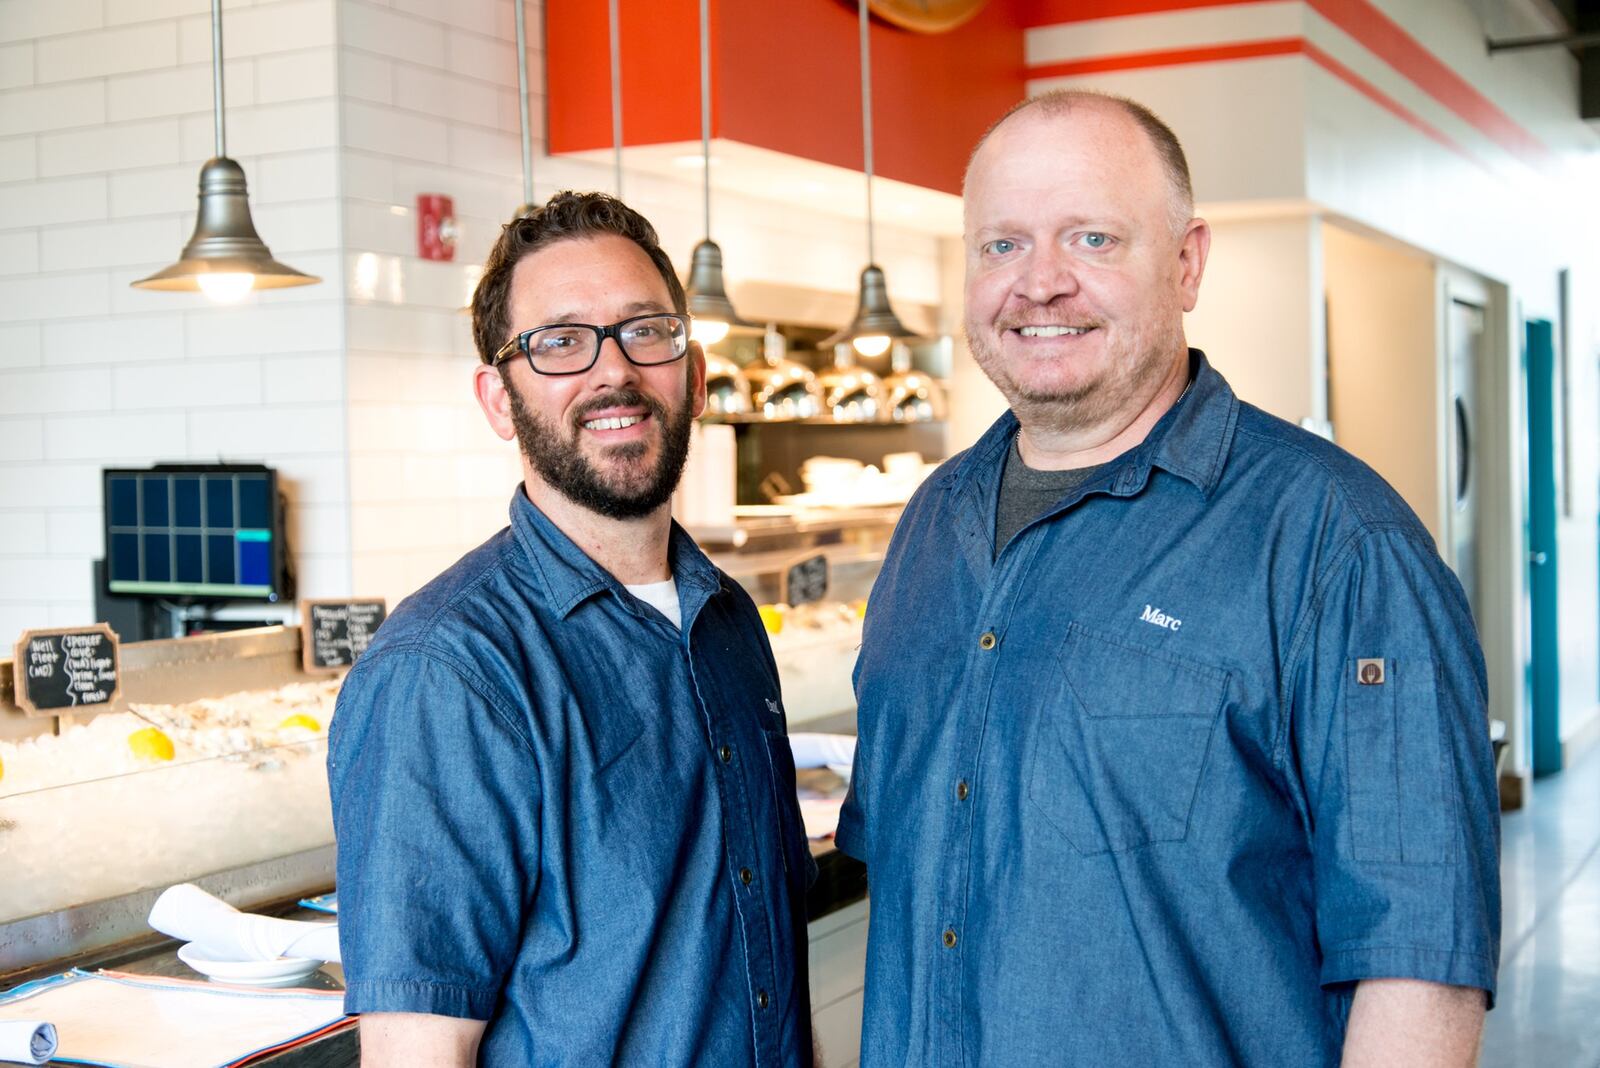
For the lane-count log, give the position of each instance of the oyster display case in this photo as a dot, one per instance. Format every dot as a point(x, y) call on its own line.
point(211, 767)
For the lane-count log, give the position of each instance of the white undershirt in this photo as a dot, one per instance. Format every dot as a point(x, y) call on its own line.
point(663, 597)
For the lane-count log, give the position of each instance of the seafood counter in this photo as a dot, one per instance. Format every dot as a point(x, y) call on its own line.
point(160, 793)
point(99, 814)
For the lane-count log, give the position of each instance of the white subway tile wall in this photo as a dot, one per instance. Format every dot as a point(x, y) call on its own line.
point(22, 438)
point(122, 147)
point(124, 340)
point(146, 46)
point(58, 107)
point(25, 20)
point(105, 116)
point(19, 252)
point(16, 65)
point(19, 346)
point(421, 77)
point(178, 91)
point(359, 390)
point(25, 533)
point(19, 158)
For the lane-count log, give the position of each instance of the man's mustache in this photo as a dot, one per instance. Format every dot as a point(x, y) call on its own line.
point(620, 398)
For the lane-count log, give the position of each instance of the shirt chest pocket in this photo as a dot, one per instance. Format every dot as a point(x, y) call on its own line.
point(1120, 742)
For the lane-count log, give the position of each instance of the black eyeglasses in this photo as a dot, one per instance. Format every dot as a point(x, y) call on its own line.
point(573, 348)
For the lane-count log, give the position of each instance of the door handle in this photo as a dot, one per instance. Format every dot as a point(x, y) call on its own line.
point(1538, 559)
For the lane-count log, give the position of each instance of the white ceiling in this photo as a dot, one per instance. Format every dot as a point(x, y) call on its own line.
point(776, 176)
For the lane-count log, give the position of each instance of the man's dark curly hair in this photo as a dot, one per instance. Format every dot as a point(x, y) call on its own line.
point(568, 216)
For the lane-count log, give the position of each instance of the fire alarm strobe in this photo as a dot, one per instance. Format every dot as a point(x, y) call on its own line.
point(436, 227)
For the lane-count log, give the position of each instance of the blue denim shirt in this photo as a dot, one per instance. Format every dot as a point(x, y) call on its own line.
point(558, 813)
point(1122, 795)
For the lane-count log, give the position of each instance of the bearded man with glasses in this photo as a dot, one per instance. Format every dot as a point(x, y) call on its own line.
point(563, 794)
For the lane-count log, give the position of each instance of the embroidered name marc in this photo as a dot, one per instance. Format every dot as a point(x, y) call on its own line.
point(1159, 618)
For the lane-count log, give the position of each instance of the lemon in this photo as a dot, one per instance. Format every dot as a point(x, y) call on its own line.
point(300, 719)
point(149, 743)
point(772, 618)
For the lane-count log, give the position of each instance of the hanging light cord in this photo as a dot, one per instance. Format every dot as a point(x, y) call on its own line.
point(705, 107)
point(216, 74)
point(866, 123)
point(522, 101)
point(616, 93)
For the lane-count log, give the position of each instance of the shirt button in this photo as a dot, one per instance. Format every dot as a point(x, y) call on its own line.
point(949, 938)
point(761, 999)
point(725, 754)
point(746, 876)
point(961, 790)
point(988, 641)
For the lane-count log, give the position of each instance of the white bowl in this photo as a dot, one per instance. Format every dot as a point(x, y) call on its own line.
point(285, 971)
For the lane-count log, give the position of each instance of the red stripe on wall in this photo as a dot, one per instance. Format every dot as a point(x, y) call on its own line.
point(1384, 100)
point(1363, 21)
point(1387, 40)
point(1034, 13)
point(1283, 46)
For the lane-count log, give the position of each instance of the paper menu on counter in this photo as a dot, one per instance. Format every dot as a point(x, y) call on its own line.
point(132, 1021)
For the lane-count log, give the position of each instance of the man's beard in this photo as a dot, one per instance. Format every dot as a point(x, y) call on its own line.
point(558, 458)
point(1134, 367)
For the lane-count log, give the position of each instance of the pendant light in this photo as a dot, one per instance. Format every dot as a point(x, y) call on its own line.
point(522, 102)
point(708, 298)
point(224, 258)
point(875, 325)
point(614, 31)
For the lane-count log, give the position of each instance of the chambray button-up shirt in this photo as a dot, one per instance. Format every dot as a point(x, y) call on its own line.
point(558, 813)
point(1202, 748)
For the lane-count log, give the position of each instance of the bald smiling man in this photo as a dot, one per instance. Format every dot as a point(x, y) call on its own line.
point(1173, 743)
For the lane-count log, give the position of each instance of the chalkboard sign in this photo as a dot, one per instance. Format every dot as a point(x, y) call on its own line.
point(805, 580)
point(68, 670)
point(334, 633)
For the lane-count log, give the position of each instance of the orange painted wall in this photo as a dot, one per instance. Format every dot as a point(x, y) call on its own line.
point(786, 77)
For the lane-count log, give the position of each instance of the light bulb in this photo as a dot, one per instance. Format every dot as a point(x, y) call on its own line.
point(708, 331)
point(226, 288)
point(872, 344)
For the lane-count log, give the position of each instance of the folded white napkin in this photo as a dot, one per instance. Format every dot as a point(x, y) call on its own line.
point(820, 750)
point(27, 1041)
point(185, 911)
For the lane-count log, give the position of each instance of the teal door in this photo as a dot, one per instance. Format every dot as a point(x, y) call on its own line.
point(1545, 664)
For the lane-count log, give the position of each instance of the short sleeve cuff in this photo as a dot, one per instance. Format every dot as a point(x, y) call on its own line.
point(850, 838)
point(1450, 967)
point(435, 999)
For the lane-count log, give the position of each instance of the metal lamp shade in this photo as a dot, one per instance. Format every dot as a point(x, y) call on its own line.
point(225, 240)
point(874, 316)
point(727, 391)
point(782, 391)
point(912, 396)
point(708, 297)
point(851, 395)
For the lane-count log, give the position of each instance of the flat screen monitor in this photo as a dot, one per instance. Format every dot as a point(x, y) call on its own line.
point(194, 532)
